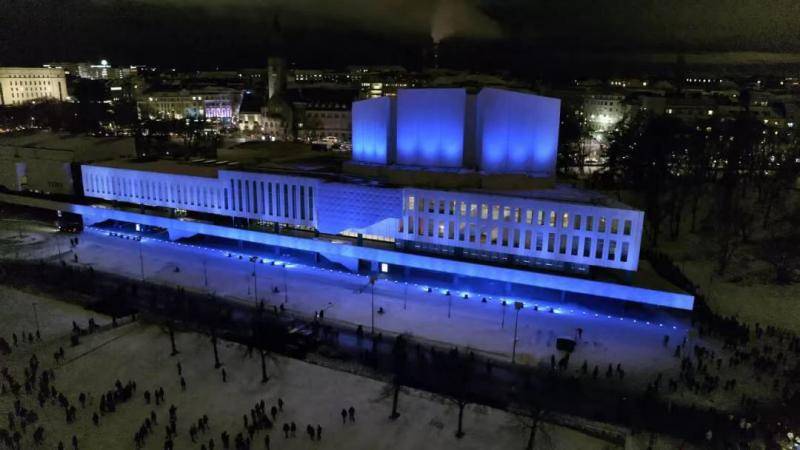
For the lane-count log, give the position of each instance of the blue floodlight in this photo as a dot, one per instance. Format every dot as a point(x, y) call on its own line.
point(430, 127)
point(372, 130)
point(517, 132)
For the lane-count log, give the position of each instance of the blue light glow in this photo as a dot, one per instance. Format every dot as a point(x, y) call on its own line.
point(430, 127)
point(534, 307)
point(603, 291)
point(517, 132)
point(371, 130)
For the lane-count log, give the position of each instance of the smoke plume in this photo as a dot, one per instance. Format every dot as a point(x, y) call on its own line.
point(461, 18)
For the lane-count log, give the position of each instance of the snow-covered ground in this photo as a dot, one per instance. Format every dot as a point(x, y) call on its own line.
point(347, 297)
point(313, 394)
point(408, 308)
point(753, 297)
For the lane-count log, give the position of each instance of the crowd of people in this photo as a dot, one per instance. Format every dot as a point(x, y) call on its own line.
point(38, 383)
point(728, 359)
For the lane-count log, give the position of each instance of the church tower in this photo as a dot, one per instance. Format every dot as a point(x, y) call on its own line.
point(276, 64)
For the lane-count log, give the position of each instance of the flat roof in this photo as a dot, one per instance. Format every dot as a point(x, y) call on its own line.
point(81, 147)
point(563, 193)
point(209, 168)
point(171, 167)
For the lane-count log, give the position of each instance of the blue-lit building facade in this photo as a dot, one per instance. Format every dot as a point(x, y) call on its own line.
point(543, 235)
point(466, 225)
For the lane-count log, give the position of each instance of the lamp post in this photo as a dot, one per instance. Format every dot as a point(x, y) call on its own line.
point(58, 247)
point(517, 306)
point(36, 318)
point(372, 280)
point(141, 258)
point(285, 286)
point(254, 259)
point(205, 275)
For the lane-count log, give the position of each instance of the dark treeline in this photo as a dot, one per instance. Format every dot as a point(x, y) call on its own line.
point(732, 180)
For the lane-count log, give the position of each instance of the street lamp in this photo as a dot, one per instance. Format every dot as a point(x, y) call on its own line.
point(372, 279)
point(517, 306)
point(141, 257)
point(205, 275)
point(285, 286)
point(58, 247)
point(254, 260)
point(36, 318)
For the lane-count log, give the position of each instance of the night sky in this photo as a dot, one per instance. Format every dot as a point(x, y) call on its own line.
point(208, 33)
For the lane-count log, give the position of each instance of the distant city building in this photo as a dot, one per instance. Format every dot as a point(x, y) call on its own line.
point(314, 76)
point(326, 120)
point(604, 111)
point(95, 71)
point(374, 89)
point(215, 104)
point(25, 84)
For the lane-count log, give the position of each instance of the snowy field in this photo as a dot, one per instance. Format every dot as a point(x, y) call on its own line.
point(753, 298)
point(487, 327)
point(312, 394)
point(346, 297)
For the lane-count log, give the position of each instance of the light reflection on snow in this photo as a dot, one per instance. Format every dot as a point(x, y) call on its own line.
point(527, 305)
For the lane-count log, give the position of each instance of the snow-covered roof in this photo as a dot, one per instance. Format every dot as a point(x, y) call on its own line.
point(80, 148)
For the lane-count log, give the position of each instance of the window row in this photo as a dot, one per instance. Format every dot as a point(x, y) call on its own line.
point(285, 200)
point(550, 242)
point(246, 196)
point(528, 216)
point(162, 191)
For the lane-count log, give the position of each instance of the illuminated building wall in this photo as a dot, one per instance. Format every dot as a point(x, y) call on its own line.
point(496, 131)
point(260, 196)
point(517, 132)
point(481, 226)
point(372, 131)
point(600, 291)
point(530, 231)
point(430, 127)
point(25, 84)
